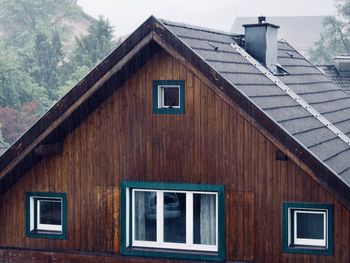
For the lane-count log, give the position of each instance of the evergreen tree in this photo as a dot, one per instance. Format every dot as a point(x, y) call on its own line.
point(36, 67)
point(23, 19)
point(44, 63)
point(92, 48)
point(16, 86)
point(88, 52)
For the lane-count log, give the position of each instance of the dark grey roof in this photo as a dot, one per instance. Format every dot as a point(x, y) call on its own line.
point(342, 80)
point(304, 79)
point(301, 31)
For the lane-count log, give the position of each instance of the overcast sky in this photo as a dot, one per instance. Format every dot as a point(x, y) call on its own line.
point(127, 15)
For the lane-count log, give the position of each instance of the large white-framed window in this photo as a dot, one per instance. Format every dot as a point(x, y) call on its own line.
point(166, 219)
point(308, 228)
point(173, 217)
point(46, 215)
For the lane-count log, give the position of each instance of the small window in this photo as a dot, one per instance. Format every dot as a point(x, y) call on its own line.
point(308, 228)
point(46, 215)
point(167, 218)
point(168, 97)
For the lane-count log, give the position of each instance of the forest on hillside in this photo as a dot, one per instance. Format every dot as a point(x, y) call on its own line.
point(42, 57)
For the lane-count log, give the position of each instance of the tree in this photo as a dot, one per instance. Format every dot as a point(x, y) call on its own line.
point(92, 48)
point(78, 75)
point(15, 122)
point(37, 63)
point(44, 63)
point(336, 38)
point(16, 86)
point(89, 50)
point(22, 19)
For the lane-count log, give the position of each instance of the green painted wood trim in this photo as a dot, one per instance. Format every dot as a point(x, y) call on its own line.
point(328, 251)
point(178, 254)
point(155, 95)
point(49, 235)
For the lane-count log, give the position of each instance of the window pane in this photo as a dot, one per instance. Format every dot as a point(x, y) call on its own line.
point(204, 216)
point(145, 216)
point(50, 212)
point(310, 225)
point(174, 217)
point(171, 97)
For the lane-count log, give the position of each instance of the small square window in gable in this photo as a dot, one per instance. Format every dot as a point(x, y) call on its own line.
point(46, 215)
point(308, 228)
point(168, 97)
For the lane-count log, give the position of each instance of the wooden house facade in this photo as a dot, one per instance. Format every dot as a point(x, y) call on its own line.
point(234, 184)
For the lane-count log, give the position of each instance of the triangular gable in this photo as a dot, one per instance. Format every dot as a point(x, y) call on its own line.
point(87, 95)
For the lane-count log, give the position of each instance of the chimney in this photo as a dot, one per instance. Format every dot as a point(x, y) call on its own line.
point(261, 42)
point(342, 63)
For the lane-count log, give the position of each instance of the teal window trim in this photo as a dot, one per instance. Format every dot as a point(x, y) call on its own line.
point(288, 247)
point(171, 253)
point(34, 233)
point(156, 108)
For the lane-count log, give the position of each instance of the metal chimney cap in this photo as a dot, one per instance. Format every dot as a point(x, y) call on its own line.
point(261, 19)
point(261, 22)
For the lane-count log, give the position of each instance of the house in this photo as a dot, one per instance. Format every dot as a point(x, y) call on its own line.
point(185, 144)
point(339, 72)
point(300, 31)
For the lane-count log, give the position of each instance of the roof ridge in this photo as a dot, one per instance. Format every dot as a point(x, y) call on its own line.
point(198, 28)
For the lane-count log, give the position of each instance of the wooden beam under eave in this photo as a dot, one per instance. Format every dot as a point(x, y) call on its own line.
point(49, 149)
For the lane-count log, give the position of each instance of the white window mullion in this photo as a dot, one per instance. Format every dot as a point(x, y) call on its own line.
point(189, 218)
point(160, 217)
point(32, 213)
point(38, 212)
point(133, 216)
point(127, 218)
point(217, 220)
point(325, 231)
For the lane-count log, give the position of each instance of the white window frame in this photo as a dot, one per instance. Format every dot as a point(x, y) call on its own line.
point(307, 241)
point(159, 243)
point(35, 201)
point(161, 96)
point(48, 227)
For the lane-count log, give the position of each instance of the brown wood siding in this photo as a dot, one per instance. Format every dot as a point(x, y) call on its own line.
point(211, 143)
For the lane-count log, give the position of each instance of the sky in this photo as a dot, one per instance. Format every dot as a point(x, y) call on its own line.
point(127, 15)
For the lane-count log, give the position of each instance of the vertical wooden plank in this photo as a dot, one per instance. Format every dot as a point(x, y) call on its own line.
point(247, 145)
point(240, 153)
point(338, 234)
point(269, 209)
point(116, 219)
point(204, 131)
point(261, 207)
point(345, 235)
point(197, 111)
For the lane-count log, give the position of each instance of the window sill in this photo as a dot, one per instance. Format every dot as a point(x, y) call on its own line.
point(46, 234)
point(316, 250)
point(173, 254)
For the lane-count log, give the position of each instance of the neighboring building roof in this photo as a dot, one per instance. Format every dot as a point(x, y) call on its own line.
point(342, 80)
point(300, 31)
point(211, 53)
